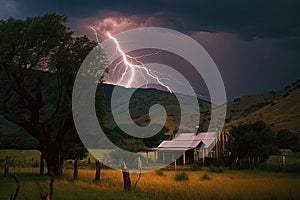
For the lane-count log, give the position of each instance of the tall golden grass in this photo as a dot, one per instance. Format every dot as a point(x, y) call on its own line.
point(227, 185)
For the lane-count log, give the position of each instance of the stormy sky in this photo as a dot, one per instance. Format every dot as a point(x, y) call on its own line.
point(255, 44)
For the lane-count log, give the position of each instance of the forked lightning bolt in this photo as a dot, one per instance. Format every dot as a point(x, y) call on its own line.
point(132, 68)
point(129, 66)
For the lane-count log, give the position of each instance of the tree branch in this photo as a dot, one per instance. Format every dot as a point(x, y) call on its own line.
point(14, 197)
point(60, 89)
point(22, 123)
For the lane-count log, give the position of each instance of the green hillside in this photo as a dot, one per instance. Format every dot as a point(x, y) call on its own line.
point(279, 109)
point(142, 100)
point(282, 113)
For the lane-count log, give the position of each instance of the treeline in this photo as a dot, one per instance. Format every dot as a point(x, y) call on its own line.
point(253, 143)
point(133, 144)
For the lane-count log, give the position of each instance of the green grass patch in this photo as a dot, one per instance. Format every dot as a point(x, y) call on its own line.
point(215, 169)
point(205, 177)
point(195, 167)
point(159, 172)
point(20, 154)
point(181, 176)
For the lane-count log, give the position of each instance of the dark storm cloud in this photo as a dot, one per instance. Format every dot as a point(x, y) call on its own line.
point(255, 44)
point(248, 19)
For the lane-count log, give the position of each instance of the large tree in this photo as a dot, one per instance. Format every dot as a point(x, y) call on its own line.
point(254, 141)
point(288, 140)
point(39, 60)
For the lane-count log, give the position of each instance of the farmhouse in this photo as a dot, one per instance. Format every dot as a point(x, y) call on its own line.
point(191, 147)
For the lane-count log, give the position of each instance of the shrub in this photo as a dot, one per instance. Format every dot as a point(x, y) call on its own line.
point(205, 177)
point(213, 161)
point(237, 99)
point(286, 94)
point(159, 172)
point(292, 168)
point(195, 167)
point(215, 169)
point(181, 176)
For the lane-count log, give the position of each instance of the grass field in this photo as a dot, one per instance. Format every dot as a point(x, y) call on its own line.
point(227, 185)
point(202, 184)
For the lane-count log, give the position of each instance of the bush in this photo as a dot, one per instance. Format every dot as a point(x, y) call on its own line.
point(295, 148)
point(213, 161)
point(181, 176)
point(214, 169)
point(292, 168)
point(159, 172)
point(285, 95)
point(195, 167)
point(205, 177)
point(237, 99)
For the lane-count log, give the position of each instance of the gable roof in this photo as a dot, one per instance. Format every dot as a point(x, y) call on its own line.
point(187, 141)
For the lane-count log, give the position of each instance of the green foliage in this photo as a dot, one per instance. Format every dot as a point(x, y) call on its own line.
point(74, 151)
point(127, 142)
point(132, 145)
point(295, 148)
point(287, 140)
point(159, 172)
point(289, 168)
point(16, 140)
point(255, 141)
point(155, 140)
point(205, 177)
point(114, 136)
point(215, 169)
point(28, 43)
point(40, 59)
point(195, 166)
point(181, 176)
point(285, 94)
point(237, 99)
point(213, 161)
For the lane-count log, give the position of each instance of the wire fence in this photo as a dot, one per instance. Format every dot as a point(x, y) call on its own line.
point(32, 165)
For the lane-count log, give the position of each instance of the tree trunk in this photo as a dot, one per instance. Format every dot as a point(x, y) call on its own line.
point(126, 177)
point(75, 169)
point(98, 170)
point(54, 165)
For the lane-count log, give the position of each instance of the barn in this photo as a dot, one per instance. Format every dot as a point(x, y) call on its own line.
point(190, 147)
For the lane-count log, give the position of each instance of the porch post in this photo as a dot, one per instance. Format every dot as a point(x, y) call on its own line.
point(147, 157)
point(203, 156)
point(216, 149)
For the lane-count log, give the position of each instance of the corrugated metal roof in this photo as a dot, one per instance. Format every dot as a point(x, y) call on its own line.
point(185, 141)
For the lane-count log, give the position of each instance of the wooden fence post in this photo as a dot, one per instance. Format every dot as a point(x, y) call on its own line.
point(6, 165)
point(98, 170)
point(126, 177)
point(75, 176)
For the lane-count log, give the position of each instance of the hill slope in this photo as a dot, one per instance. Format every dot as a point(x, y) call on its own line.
point(279, 109)
point(143, 99)
point(283, 113)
